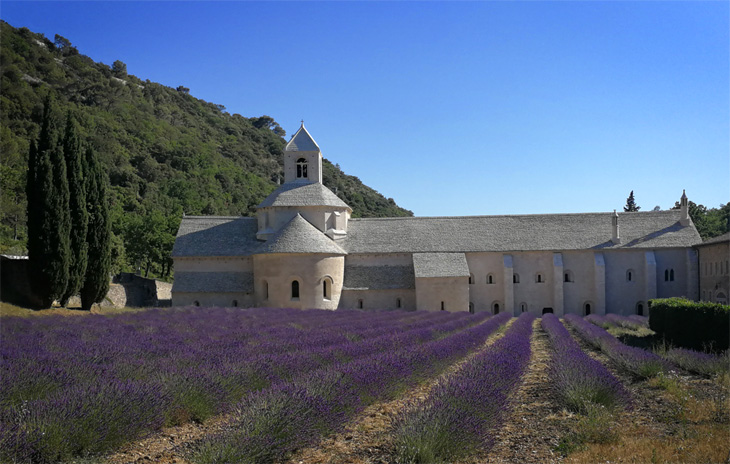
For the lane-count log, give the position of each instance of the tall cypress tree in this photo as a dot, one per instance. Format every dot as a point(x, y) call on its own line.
point(48, 240)
point(77, 210)
point(98, 235)
point(631, 205)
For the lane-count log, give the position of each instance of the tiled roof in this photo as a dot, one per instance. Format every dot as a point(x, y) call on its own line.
point(719, 239)
point(299, 236)
point(216, 236)
point(213, 282)
point(302, 141)
point(294, 194)
point(378, 277)
point(440, 265)
point(655, 229)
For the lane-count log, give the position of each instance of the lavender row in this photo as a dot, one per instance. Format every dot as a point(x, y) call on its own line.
point(638, 362)
point(579, 380)
point(290, 415)
point(698, 362)
point(67, 393)
point(459, 414)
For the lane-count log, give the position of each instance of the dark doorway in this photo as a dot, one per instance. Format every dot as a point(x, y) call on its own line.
point(588, 309)
point(640, 309)
point(547, 310)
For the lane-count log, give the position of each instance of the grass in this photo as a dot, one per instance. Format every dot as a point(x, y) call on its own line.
point(8, 309)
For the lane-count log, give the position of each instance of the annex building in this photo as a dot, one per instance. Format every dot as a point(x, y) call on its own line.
point(304, 250)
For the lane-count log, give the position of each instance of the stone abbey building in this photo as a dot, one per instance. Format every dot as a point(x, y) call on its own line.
point(304, 250)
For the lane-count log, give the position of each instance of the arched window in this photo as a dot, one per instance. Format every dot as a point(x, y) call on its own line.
point(327, 288)
point(266, 290)
point(568, 276)
point(471, 279)
point(443, 308)
point(359, 304)
point(471, 307)
point(515, 278)
point(302, 168)
point(397, 303)
point(294, 289)
point(629, 275)
point(490, 279)
point(666, 275)
point(523, 307)
point(196, 303)
point(235, 303)
point(640, 308)
point(495, 308)
point(538, 278)
point(671, 275)
point(586, 309)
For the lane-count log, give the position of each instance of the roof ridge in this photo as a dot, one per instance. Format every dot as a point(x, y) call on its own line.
point(595, 213)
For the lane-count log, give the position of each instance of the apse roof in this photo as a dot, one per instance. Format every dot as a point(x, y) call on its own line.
point(295, 194)
point(299, 236)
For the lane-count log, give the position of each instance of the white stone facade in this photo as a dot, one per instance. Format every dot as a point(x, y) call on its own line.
point(304, 251)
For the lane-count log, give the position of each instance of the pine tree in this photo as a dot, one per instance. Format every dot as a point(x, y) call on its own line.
point(98, 236)
point(77, 210)
point(48, 241)
point(631, 205)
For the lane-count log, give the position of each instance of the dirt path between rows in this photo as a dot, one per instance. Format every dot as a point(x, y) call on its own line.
point(536, 422)
point(366, 439)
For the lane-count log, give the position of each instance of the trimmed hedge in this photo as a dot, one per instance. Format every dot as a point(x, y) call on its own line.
point(689, 324)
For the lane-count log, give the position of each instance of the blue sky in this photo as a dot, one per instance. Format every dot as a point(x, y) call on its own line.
point(452, 108)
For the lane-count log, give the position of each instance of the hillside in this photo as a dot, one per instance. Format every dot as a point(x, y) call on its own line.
point(166, 152)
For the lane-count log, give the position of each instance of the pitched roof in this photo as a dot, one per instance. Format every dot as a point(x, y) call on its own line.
point(653, 229)
point(294, 194)
point(719, 239)
point(216, 236)
point(378, 278)
point(213, 282)
point(302, 141)
point(440, 265)
point(299, 236)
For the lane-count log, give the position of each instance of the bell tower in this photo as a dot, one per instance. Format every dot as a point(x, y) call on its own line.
point(302, 159)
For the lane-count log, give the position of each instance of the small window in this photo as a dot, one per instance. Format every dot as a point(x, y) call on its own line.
point(586, 309)
point(568, 276)
point(359, 304)
point(443, 308)
point(523, 307)
point(515, 278)
point(495, 308)
point(327, 288)
point(671, 275)
point(295, 289)
point(302, 168)
point(235, 303)
point(538, 278)
point(640, 308)
point(666, 275)
point(398, 303)
point(629, 275)
point(490, 279)
point(266, 290)
point(471, 279)
point(471, 307)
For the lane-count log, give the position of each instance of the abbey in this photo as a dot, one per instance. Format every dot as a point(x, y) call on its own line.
point(304, 250)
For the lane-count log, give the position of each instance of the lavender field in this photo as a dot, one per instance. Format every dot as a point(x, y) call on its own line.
point(284, 380)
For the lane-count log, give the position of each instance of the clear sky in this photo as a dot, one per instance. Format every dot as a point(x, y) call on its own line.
point(452, 108)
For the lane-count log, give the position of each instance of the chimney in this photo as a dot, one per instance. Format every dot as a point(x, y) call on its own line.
point(684, 209)
point(616, 239)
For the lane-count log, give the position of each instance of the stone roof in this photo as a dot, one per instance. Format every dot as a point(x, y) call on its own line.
point(540, 232)
point(440, 265)
point(378, 278)
point(719, 239)
point(302, 141)
point(213, 282)
point(299, 236)
point(295, 194)
point(216, 236)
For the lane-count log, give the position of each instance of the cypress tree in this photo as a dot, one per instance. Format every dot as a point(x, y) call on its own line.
point(631, 205)
point(77, 210)
point(49, 220)
point(98, 235)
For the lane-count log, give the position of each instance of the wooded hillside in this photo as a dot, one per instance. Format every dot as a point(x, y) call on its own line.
point(166, 152)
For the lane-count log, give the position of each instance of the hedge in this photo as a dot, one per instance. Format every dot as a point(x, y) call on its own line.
point(696, 325)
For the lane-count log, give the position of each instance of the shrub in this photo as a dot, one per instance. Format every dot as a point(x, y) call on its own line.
point(688, 324)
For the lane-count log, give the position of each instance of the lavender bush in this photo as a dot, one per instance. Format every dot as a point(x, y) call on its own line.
point(580, 381)
point(78, 386)
point(638, 362)
point(633, 322)
point(290, 415)
point(698, 362)
point(459, 413)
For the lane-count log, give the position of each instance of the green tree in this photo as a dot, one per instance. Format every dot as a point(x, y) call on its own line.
point(709, 222)
point(631, 205)
point(98, 235)
point(48, 244)
point(119, 69)
point(77, 209)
